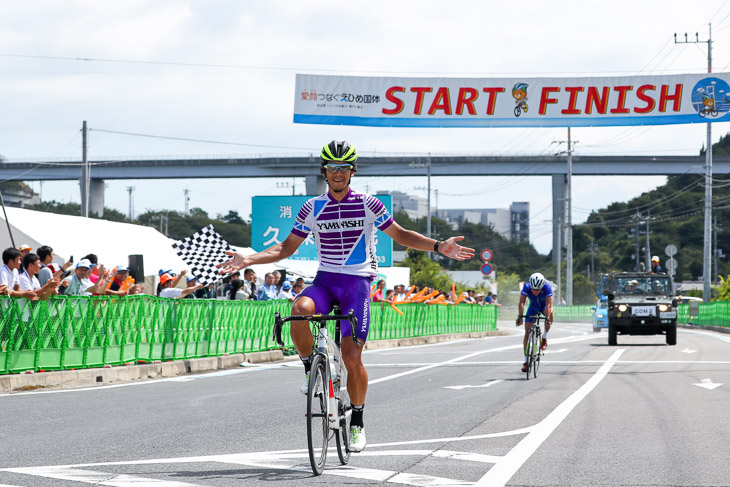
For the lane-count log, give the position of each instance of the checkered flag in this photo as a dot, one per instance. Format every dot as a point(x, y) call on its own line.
point(202, 252)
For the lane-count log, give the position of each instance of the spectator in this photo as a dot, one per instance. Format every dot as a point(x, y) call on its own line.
point(118, 278)
point(655, 267)
point(400, 292)
point(94, 269)
point(79, 283)
point(249, 277)
point(227, 289)
point(470, 297)
point(277, 278)
point(285, 292)
point(297, 288)
point(238, 290)
point(47, 273)
point(192, 281)
point(208, 292)
point(389, 294)
point(267, 290)
point(29, 281)
point(24, 250)
point(378, 294)
point(481, 300)
point(9, 276)
point(168, 291)
point(490, 299)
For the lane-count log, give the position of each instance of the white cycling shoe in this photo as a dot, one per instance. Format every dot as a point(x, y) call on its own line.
point(357, 439)
point(305, 386)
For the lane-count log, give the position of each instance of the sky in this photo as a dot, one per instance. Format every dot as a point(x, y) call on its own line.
point(224, 71)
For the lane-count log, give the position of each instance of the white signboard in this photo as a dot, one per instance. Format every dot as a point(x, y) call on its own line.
point(511, 102)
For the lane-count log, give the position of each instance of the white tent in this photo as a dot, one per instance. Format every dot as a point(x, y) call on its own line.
point(114, 242)
point(76, 236)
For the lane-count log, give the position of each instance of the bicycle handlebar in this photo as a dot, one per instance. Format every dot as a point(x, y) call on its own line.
point(538, 316)
point(321, 319)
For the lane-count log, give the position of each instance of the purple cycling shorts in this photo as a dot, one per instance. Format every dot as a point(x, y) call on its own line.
point(351, 292)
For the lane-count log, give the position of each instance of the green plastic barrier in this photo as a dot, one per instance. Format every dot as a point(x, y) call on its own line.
point(716, 313)
point(578, 313)
point(68, 332)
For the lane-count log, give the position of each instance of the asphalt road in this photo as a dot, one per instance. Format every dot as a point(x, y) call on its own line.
point(459, 413)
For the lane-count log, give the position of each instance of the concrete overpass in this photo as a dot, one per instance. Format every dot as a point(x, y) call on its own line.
point(372, 166)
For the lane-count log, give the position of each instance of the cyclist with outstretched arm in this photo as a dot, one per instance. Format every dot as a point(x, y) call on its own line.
point(343, 223)
point(540, 294)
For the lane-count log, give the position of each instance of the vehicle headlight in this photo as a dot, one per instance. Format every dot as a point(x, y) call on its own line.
point(622, 307)
point(663, 307)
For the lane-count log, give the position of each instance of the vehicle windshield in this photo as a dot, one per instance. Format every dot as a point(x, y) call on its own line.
point(649, 284)
point(602, 305)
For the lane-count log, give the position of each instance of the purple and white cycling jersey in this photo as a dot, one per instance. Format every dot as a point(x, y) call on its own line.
point(344, 231)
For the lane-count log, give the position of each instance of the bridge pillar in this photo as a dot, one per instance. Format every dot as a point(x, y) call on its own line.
point(315, 185)
point(96, 197)
point(559, 184)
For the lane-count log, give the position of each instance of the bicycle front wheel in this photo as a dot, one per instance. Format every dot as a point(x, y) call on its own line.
point(317, 423)
point(535, 355)
point(528, 353)
point(344, 409)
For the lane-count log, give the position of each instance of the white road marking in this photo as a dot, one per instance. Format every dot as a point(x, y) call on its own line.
point(96, 478)
point(708, 384)
point(470, 355)
point(503, 471)
point(687, 350)
point(458, 388)
point(550, 352)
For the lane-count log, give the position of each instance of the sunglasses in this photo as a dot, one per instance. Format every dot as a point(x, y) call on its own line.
point(333, 168)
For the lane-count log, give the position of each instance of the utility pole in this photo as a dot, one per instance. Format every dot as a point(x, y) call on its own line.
point(718, 252)
point(569, 229)
point(428, 199)
point(85, 180)
point(707, 249)
point(592, 250)
point(130, 190)
point(648, 246)
point(186, 191)
point(560, 259)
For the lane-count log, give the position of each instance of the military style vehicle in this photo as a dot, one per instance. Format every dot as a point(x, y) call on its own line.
point(640, 303)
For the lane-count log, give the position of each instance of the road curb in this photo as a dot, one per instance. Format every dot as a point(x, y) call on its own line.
point(70, 379)
point(721, 329)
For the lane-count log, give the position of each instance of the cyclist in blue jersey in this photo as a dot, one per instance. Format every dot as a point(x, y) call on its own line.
point(343, 223)
point(540, 294)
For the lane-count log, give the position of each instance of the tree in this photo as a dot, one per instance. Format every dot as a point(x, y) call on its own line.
point(425, 272)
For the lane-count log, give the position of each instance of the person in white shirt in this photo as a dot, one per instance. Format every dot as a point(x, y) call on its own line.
point(79, 283)
point(9, 275)
point(29, 281)
point(238, 291)
point(168, 291)
point(285, 292)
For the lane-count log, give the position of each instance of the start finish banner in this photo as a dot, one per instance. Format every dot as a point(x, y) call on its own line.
point(511, 102)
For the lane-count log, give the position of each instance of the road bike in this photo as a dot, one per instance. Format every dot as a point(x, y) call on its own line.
point(534, 343)
point(328, 404)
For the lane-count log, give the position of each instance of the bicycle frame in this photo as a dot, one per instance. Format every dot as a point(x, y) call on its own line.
point(534, 342)
point(324, 344)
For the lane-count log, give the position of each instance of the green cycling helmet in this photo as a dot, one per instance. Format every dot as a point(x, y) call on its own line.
point(339, 152)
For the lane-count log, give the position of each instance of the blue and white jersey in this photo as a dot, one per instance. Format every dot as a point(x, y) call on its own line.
point(344, 231)
point(537, 302)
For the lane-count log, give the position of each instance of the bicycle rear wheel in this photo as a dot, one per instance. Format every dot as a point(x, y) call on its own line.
point(344, 410)
point(528, 353)
point(317, 423)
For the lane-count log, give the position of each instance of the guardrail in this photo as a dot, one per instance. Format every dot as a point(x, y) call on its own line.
point(81, 332)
